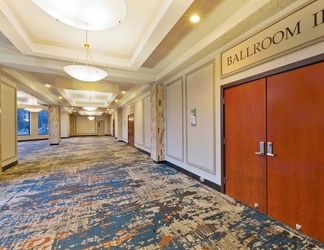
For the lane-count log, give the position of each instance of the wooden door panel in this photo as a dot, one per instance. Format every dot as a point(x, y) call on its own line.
point(131, 130)
point(245, 128)
point(295, 116)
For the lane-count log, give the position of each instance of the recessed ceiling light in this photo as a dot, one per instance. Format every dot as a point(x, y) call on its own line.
point(60, 97)
point(123, 92)
point(195, 19)
point(116, 100)
point(47, 85)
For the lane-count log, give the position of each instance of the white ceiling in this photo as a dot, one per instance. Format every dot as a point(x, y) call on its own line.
point(154, 42)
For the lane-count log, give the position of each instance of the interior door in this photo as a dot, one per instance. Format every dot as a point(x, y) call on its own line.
point(131, 130)
point(113, 128)
point(245, 128)
point(100, 128)
point(296, 129)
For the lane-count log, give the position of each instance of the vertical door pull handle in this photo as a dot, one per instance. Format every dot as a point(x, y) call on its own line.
point(261, 149)
point(269, 149)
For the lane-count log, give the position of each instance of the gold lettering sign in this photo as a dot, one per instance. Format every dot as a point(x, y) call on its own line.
point(297, 30)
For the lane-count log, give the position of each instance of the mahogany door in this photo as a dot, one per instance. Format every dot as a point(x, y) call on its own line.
point(245, 128)
point(295, 114)
point(114, 126)
point(131, 130)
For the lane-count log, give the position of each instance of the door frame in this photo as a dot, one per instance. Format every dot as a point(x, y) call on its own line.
point(302, 63)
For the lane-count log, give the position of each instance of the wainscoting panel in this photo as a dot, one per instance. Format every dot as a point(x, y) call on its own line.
point(8, 124)
point(83, 126)
point(174, 120)
point(200, 118)
point(138, 121)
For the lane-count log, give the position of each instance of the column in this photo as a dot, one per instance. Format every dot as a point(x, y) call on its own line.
point(120, 125)
point(54, 125)
point(109, 125)
point(157, 122)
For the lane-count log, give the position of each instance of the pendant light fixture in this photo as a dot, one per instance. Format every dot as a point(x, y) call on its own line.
point(90, 107)
point(88, 72)
point(91, 117)
point(33, 109)
point(85, 14)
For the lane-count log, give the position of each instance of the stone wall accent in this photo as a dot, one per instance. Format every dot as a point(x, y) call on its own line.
point(109, 125)
point(157, 122)
point(72, 125)
point(120, 125)
point(54, 125)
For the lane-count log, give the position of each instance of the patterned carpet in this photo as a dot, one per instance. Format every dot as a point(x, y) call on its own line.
point(97, 193)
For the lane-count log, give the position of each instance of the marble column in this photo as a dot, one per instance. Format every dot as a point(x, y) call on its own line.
point(120, 125)
point(157, 122)
point(109, 125)
point(54, 125)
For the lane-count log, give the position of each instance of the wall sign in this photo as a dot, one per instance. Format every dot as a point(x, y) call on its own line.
point(295, 31)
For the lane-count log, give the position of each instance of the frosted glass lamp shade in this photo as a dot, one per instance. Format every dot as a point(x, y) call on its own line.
point(85, 73)
point(90, 108)
point(85, 14)
point(33, 109)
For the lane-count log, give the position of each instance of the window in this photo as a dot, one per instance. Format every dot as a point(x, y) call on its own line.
point(23, 120)
point(43, 122)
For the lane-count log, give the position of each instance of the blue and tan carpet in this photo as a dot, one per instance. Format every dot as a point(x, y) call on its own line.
point(97, 193)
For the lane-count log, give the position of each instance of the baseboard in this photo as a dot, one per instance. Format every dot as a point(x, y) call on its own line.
point(143, 151)
point(192, 175)
point(38, 139)
point(9, 165)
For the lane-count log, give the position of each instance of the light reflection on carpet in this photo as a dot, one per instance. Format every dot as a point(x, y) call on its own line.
point(97, 193)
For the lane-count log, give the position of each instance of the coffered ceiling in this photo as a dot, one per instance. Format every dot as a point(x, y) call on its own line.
point(155, 41)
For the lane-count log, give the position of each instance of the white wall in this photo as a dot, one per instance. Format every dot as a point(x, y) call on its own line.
point(174, 130)
point(65, 125)
point(192, 147)
point(142, 123)
point(84, 126)
point(188, 87)
point(9, 153)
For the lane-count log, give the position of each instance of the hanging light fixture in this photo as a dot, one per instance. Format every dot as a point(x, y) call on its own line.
point(33, 109)
point(90, 107)
point(91, 117)
point(85, 14)
point(88, 72)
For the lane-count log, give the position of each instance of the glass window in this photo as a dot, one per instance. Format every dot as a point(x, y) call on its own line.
point(43, 122)
point(23, 120)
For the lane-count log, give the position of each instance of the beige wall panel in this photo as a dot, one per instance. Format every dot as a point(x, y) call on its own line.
point(83, 126)
point(138, 123)
point(201, 137)
point(174, 120)
point(125, 125)
point(8, 124)
point(147, 124)
point(65, 125)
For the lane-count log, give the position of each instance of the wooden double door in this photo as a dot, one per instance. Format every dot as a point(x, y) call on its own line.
point(274, 143)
